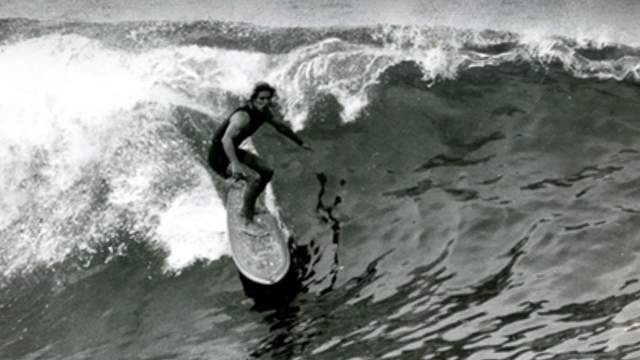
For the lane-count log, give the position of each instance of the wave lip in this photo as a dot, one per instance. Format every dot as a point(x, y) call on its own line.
point(458, 48)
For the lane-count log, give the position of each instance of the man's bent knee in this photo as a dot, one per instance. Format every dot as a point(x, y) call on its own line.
point(266, 176)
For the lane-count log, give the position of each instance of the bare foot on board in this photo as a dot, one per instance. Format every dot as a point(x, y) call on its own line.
point(251, 228)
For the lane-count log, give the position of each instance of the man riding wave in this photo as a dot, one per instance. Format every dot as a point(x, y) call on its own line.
point(228, 160)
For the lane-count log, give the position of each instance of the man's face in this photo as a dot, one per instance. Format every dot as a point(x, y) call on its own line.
point(263, 100)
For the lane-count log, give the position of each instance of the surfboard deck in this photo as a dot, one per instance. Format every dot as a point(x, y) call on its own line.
point(259, 251)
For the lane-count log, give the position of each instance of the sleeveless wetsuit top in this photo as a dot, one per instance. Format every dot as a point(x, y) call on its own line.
point(256, 119)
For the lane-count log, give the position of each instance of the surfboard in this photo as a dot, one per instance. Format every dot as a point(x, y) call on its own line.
point(260, 251)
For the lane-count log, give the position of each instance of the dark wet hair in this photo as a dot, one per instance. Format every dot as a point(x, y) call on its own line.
point(262, 86)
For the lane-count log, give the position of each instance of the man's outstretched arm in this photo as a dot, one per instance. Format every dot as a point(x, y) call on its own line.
point(285, 130)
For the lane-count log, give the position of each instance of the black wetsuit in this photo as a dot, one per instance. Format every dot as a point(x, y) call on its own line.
point(218, 159)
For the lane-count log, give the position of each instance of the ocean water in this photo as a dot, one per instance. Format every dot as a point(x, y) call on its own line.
point(472, 193)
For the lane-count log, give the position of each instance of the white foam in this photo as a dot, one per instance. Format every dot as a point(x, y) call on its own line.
point(193, 227)
point(205, 75)
point(348, 71)
point(55, 95)
point(70, 115)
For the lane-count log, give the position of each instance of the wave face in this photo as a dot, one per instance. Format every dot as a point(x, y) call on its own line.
point(471, 194)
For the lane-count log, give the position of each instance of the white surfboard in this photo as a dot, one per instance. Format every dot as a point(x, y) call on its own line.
point(260, 251)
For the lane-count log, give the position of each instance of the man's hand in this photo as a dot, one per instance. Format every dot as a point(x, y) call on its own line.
point(237, 172)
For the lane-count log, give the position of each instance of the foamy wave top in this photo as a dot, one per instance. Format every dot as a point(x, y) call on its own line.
point(93, 156)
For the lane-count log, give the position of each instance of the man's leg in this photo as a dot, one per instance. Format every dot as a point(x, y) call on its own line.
point(255, 185)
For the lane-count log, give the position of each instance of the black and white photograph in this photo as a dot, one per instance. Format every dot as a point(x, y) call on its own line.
point(319, 180)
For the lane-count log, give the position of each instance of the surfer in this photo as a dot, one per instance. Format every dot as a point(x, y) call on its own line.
point(228, 160)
